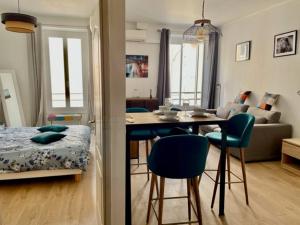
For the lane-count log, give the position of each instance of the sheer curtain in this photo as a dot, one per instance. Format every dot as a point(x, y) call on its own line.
point(163, 83)
point(210, 72)
point(36, 72)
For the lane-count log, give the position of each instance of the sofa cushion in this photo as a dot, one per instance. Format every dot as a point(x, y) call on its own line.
point(237, 108)
point(268, 101)
point(260, 120)
point(231, 109)
point(271, 116)
point(241, 97)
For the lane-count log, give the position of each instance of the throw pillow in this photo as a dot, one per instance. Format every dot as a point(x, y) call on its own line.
point(54, 128)
point(260, 120)
point(268, 101)
point(241, 97)
point(47, 137)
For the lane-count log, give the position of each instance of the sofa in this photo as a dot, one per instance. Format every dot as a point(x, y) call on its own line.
point(267, 135)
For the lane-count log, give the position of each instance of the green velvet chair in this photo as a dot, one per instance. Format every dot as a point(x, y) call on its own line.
point(239, 132)
point(178, 157)
point(141, 135)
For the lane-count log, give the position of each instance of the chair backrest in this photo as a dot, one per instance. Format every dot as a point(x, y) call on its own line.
point(136, 110)
point(241, 125)
point(179, 157)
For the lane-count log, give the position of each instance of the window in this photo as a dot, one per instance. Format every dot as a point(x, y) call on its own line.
point(186, 70)
point(68, 69)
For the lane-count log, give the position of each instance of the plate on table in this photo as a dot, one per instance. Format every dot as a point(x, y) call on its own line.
point(158, 112)
point(164, 118)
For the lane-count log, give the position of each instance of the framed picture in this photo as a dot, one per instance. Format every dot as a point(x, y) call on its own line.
point(136, 66)
point(243, 51)
point(285, 44)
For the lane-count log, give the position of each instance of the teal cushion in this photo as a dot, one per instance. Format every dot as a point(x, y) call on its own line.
point(54, 128)
point(216, 138)
point(47, 137)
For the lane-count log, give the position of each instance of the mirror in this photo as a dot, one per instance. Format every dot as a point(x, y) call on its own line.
point(10, 97)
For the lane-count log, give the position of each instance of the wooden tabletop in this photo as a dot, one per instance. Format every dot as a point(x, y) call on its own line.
point(150, 119)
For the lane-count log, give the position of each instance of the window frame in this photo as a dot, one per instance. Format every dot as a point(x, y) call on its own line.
point(196, 98)
point(66, 32)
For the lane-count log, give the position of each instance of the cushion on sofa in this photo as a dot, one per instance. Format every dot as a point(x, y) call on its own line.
point(271, 116)
point(231, 109)
point(260, 120)
point(237, 108)
point(268, 101)
point(241, 97)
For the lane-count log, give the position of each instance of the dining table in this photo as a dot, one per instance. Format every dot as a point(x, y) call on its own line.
point(152, 121)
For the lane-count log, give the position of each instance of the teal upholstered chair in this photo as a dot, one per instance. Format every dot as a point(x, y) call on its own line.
point(238, 136)
point(141, 135)
point(164, 132)
point(178, 157)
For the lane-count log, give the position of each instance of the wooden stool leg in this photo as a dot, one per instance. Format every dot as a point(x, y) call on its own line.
point(147, 154)
point(216, 186)
point(242, 156)
point(188, 187)
point(228, 167)
point(197, 196)
point(161, 200)
point(153, 180)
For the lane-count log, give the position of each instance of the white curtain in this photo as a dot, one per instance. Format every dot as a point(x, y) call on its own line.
point(37, 77)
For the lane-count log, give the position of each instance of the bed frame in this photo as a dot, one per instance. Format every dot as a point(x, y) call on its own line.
point(42, 173)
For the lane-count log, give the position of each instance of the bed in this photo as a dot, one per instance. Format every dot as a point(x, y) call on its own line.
point(22, 158)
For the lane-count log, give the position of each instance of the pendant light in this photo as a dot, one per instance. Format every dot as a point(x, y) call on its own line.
point(200, 30)
point(18, 22)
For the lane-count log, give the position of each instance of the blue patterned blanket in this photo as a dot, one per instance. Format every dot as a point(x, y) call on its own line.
point(18, 153)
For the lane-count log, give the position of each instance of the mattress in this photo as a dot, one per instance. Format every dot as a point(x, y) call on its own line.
point(18, 153)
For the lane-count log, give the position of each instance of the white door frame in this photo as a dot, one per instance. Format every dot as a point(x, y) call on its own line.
point(112, 32)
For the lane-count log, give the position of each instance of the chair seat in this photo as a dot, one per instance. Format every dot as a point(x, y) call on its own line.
point(216, 138)
point(139, 135)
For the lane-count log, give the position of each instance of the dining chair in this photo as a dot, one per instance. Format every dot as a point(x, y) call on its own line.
point(177, 157)
point(239, 132)
point(141, 135)
point(164, 132)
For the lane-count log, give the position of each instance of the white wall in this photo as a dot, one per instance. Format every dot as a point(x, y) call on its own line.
point(14, 56)
point(263, 72)
point(140, 87)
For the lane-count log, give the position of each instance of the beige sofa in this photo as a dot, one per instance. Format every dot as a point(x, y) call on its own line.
point(267, 135)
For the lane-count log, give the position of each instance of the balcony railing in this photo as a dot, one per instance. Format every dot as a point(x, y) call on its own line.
point(194, 98)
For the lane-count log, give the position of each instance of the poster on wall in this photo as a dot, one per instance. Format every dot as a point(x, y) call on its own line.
point(285, 44)
point(243, 51)
point(136, 66)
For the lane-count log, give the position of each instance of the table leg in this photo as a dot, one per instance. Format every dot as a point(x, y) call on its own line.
point(222, 170)
point(128, 182)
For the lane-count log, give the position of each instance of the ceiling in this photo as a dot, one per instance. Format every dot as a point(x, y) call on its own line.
point(181, 12)
point(186, 11)
point(71, 8)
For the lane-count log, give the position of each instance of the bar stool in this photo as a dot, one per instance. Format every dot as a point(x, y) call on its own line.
point(141, 135)
point(178, 157)
point(239, 132)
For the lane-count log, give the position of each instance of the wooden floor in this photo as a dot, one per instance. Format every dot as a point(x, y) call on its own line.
point(274, 197)
point(49, 201)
